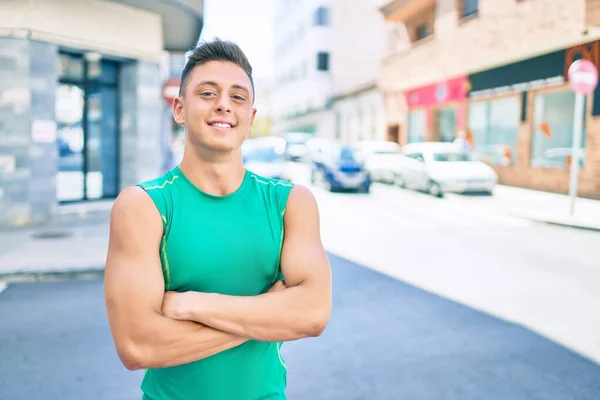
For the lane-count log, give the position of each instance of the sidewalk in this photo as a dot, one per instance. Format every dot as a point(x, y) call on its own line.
point(537, 206)
point(77, 240)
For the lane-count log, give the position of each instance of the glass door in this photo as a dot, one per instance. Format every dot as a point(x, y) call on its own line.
point(87, 123)
point(70, 141)
point(447, 124)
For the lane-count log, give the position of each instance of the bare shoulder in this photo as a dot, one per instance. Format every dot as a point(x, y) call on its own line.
point(301, 210)
point(301, 199)
point(134, 210)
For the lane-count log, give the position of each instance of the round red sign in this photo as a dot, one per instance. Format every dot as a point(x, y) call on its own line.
point(170, 90)
point(583, 76)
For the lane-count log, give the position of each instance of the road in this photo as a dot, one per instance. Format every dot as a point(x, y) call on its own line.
point(387, 339)
point(468, 250)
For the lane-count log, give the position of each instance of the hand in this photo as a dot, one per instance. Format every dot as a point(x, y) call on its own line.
point(178, 305)
point(277, 287)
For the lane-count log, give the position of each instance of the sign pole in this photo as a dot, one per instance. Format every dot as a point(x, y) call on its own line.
point(576, 150)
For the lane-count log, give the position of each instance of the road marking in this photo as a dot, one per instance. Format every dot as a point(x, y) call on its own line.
point(3, 286)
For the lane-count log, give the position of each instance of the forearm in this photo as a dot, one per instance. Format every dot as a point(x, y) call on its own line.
point(287, 315)
point(164, 342)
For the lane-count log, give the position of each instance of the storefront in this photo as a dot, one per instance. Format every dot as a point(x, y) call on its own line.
point(80, 99)
point(521, 117)
point(436, 111)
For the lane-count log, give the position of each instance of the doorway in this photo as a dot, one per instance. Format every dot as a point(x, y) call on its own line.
point(446, 124)
point(87, 129)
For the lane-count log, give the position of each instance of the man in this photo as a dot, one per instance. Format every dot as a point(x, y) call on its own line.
point(195, 261)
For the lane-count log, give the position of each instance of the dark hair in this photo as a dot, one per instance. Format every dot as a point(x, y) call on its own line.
point(216, 50)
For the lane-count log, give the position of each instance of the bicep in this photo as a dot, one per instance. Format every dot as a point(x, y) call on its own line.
point(303, 258)
point(134, 285)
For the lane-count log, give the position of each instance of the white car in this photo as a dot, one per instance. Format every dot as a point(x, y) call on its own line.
point(381, 159)
point(440, 168)
point(265, 156)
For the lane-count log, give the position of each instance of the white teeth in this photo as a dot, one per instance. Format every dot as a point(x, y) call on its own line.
point(221, 125)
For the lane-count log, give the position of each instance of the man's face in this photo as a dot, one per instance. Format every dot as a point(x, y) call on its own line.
point(216, 107)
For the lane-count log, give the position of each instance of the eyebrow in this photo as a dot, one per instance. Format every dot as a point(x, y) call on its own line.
point(215, 84)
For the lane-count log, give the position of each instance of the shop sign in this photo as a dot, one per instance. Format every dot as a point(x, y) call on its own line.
point(438, 93)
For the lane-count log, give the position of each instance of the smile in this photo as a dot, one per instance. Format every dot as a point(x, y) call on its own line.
point(221, 125)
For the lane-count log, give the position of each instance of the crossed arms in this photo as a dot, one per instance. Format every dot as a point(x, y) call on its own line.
point(153, 329)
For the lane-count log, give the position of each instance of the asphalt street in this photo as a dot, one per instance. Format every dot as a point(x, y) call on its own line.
point(386, 340)
point(443, 299)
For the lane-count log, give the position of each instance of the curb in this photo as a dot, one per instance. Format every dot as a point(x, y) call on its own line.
point(546, 221)
point(567, 225)
point(90, 273)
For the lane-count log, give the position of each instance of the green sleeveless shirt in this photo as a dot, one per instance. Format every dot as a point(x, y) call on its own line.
point(229, 245)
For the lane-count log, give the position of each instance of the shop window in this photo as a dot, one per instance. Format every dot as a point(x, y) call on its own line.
point(417, 126)
point(553, 130)
point(493, 126)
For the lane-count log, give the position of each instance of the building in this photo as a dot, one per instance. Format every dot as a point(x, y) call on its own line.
point(498, 70)
point(327, 60)
point(80, 98)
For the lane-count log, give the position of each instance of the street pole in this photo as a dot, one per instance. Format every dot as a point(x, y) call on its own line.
point(576, 150)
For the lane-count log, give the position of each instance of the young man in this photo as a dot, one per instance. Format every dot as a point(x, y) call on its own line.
point(193, 282)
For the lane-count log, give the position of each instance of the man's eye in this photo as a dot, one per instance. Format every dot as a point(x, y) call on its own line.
point(240, 98)
point(207, 94)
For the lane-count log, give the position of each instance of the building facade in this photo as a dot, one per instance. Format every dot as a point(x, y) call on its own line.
point(81, 112)
point(326, 51)
point(496, 69)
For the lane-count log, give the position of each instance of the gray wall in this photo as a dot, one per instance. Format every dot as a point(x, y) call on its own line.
point(27, 89)
point(141, 122)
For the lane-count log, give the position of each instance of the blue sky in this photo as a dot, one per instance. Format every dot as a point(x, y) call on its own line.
point(249, 23)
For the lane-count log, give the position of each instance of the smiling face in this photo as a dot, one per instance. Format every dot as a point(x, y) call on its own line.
point(216, 107)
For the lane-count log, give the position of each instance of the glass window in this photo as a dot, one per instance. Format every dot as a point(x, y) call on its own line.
point(322, 16)
point(323, 61)
point(553, 130)
point(494, 125)
point(70, 67)
point(447, 124)
point(470, 7)
point(417, 125)
point(451, 156)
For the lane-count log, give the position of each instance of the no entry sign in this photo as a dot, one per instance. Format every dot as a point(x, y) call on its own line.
point(583, 76)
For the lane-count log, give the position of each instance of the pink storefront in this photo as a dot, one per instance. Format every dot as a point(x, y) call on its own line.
point(437, 111)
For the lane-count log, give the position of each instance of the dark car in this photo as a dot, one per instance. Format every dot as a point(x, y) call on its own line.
point(342, 168)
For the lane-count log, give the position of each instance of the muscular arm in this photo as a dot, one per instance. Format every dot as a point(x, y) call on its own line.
point(134, 291)
point(302, 309)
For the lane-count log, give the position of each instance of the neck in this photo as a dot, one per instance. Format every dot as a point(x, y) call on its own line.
point(216, 175)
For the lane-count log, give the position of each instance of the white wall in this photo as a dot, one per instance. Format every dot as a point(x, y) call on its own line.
point(358, 43)
point(361, 116)
point(102, 26)
point(299, 86)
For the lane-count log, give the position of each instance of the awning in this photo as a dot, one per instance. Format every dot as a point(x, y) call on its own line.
point(182, 20)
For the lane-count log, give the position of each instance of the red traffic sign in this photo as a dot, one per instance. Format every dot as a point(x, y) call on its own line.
point(583, 76)
point(170, 90)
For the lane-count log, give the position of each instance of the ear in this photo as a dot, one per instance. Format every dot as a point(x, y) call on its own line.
point(178, 110)
point(252, 115)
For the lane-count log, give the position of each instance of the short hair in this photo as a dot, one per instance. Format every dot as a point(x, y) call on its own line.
point(216, 50)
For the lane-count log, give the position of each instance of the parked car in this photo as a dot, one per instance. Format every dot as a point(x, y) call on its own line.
point(342, 167)
point(295, 148)
point(265, 156)
point(440, 168)
point(381, 159)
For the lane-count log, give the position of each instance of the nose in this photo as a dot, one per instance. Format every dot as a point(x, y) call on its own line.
point(222, 104)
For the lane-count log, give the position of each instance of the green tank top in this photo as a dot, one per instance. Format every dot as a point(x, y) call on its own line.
point(229, 245)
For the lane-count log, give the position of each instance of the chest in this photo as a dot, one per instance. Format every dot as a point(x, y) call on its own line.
point(226, 249)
